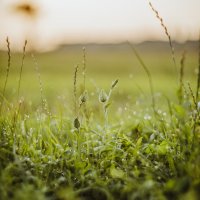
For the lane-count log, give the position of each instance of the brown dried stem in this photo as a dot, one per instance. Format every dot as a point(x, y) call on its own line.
point(166, 33)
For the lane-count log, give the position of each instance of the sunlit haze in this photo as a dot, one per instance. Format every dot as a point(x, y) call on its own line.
point(94, 21)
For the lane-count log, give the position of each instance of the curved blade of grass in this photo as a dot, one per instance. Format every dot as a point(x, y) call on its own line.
point(147, 73)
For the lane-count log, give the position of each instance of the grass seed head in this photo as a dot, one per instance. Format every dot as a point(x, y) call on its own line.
point(83, 98)
point(114, 83)
point(77, 123)
point(103, 97)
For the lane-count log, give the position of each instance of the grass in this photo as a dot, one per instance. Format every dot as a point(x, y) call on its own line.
point(104, 64)
point(123, 151)
point(113, 133)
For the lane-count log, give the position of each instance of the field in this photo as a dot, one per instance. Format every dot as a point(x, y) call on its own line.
point(88, 123)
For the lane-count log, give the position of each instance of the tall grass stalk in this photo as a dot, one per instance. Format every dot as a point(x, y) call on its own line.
point(76, 108)
point(193, 96)
point(42, 98)
point(105, 100)
point(148, 75)
point(84, 69)
point(198, 75)
point(166, 33)
point(7, 72)
point(75, 90)
point(21, 68)
point(13, 128)
point(181, 76)
point(195, 117)
point(16, 113)
point(84, 95)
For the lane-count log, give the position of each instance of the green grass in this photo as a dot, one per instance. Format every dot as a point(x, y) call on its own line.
point(104, 64)
point(122, 149)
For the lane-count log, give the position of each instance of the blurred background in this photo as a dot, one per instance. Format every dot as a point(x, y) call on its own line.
point(58, 30)
point(48, 24)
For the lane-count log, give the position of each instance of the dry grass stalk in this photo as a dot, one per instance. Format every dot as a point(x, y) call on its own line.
point(166, 32)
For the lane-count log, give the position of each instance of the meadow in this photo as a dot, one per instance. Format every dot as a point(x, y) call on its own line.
point(100, 122)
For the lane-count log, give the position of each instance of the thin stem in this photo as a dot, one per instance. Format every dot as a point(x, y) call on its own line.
point(180, 91)
point(148, 75)
point(7, 72)
point(198, 76)
point(39, 78)
point(84, 68)
point(21, 68)
point(75, 90)
point(166, 33)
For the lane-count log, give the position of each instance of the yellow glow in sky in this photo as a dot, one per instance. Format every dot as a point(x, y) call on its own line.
point(80, 21)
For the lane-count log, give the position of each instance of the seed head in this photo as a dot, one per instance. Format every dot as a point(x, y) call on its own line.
point(77, 123)
point(114, 83)
point(83, 98)
point(103, 97)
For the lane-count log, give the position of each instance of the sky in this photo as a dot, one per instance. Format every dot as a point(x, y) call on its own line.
point(97, 21)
